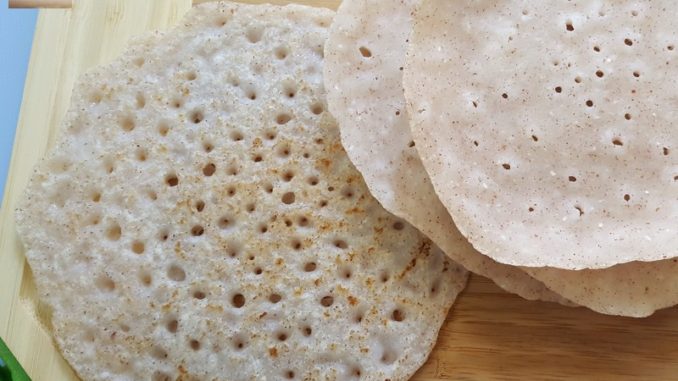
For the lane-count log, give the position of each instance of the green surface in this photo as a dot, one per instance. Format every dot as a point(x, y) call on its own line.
point(10, 369)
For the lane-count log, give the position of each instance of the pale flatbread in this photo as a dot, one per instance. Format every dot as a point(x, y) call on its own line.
point(548, 127)
point(199, 219)
point(364, 56)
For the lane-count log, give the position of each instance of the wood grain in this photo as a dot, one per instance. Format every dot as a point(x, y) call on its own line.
point(490, 335)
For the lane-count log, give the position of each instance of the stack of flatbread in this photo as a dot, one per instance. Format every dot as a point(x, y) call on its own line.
point(543, 133)
point(267, 192)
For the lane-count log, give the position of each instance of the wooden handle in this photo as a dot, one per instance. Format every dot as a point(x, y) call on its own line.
point(40, 3)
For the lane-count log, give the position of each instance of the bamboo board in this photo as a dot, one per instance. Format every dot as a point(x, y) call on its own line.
point(490, 335)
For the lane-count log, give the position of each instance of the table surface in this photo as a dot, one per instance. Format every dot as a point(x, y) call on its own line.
point(16, 35)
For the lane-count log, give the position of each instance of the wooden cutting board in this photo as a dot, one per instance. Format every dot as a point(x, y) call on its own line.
point(490, 335)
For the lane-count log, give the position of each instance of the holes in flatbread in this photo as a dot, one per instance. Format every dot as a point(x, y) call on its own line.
point(233, 249)
point(209, 169)
point(284, 151)
point(287, 176)
point(200, 205)
point(172, 325)
point(238, 342)
point(177, 102)
point(535, 138)
point(398, 225)
point(600, 74)
point(141, 154)
point(159, 353)
point(617, 142)
point(340, 243)
point(435, 287)
point(627, 116)
point(138, 247)
point(199, 294)
point(251, 207)
point(303, 221)
point(634, 13)
point(568, 26)
point(226, 222)
point(281, 52)
point(398, 315)
point(161, 376)
point(163, 234)
point(250, 93)
point(580, 210)
point(504, 95)
point(95, 196)
point(347, 192)
point(384, 276)
point(572, 179)
point(358, 316)
point(191, 76)
point(327, 301)
point(268, 188)
point(113, 232)
point(109, 165)
point(197, 230)
point(388, 356)
point(365, 52)
point(675, 178)
point(172, 180)
point(346, 272)
point(271, 134)
point(289, 374)
point(322, 203)
point(289, 89)
point(145, 278)
point(176, 273)
point(530, 209)
point(310, 267)
point(152, 195)
point(628, 42)
point(238, 300)
point(232, 170)
point(665, 151)
point(282, 336)
point(577, 79)
point(283, 118)
point(288, 198)
point(475, 143)
point(194, 344)
point(163, 128)
point(105, 283)
point(558, 89)
point(627, 197)
point(312, 181)
point(207, 146)
point(254, 34)
point(288, 222)
point(127, 123)
point(317, 108)
point(274, 298)
point(257, 158)
point(596, 48)
point(139, 61)
point(636, 74)
point(263, 228)
point(94, 219)
point(258, 270)
point(196, 116)
point(236, 136)
point(141, 101)
point(296, 244)
point(589, 103)
point(506, 166)
point(306, 330)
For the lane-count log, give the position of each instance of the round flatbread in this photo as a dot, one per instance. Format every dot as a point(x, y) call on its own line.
point(199, 219)
point(547, 127)
point(364, 58)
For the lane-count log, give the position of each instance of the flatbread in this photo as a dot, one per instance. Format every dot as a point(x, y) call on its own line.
point(364, 56)
point(546, 127)
point(199, 219)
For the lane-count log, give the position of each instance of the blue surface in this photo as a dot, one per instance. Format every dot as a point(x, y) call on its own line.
point(16, 37)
